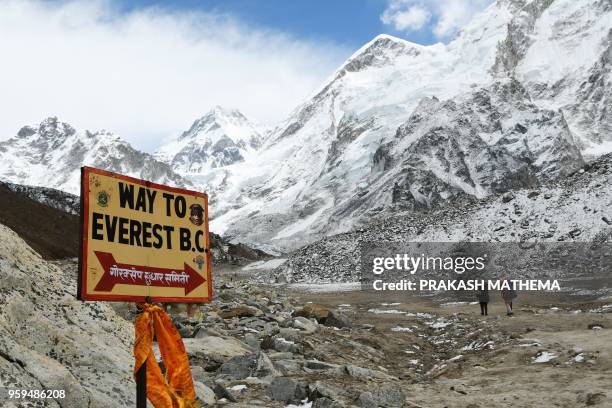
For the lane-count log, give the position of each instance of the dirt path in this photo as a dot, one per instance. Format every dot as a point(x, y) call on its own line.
point(544, 356)
point(445, 354)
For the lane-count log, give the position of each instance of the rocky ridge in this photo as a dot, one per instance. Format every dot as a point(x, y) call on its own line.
point(401, 125)
point(51, 154)
point(574, 208)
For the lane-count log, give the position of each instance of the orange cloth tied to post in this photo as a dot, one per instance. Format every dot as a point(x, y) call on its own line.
point(175, 390)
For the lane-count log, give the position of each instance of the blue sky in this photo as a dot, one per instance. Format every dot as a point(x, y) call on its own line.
point(348, 22)
point(146, 69)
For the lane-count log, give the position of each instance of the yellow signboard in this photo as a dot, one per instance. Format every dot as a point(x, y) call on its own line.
point(142, 240)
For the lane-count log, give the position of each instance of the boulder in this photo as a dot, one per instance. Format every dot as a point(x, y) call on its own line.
point(314, 310)
point(308, 326)
point(326, 403)
point(283, 345)
point(287, 390)
point(323, 315)
point(252, 365)
point(239, 311)
point(204, 394)
point(239, 367)
point(216, 348)
point(387, 396)
point(222, 392)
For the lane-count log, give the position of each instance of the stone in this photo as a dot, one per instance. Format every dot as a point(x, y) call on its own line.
point(283, 345)
point(387, 395)
point(198, 373)
point(322, 390)
point(252, 340)
point(265, 367)
point(290, 333)
point(314, 310)
point(204, 394)
point(215, 348)
point(366, 400)
point(364, 373)
point(533, 194)
point(322, 315)
point(317, 365)
point(575, 232)
point(280, 356)
point(239, 367)
point(253, 365)
point(326, 403)
point(287, 390)
point(222, 392)
point(305, 324)
point(337, 320)
point(507, 197)
point(288, 366)
point(239, 311)
point(186, 331)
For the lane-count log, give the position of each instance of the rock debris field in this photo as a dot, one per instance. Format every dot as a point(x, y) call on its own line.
point(273, 346)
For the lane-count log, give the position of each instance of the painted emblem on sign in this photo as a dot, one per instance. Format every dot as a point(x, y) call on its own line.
point(196, 215)
point(199, 260)
point(103, 198)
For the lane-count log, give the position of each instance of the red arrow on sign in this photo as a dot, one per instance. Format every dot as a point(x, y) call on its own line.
point(118, 273)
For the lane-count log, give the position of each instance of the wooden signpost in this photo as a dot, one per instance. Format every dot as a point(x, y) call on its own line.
point(142, 242)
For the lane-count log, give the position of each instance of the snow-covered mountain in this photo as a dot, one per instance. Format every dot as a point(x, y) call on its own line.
point(51, 154)
point(510, 102)
point(571, 209)
point(220, 138)
point(521, 96)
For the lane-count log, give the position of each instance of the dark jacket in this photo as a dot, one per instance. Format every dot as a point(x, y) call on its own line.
point(483, 296)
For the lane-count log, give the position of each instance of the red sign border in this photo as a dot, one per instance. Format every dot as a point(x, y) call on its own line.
point(82, 293)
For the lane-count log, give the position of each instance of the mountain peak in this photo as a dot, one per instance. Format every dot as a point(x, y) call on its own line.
point(49, 128)
point(219, 138)
point(217, 117)
point(218, 110)
point(380, 50)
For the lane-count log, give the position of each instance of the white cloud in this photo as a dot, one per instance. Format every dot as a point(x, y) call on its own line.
point(146, 74)
point(445, 17)
point(404, 16)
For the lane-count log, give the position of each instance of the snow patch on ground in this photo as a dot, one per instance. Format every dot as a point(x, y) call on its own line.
point(544, 357)
point(270, 264)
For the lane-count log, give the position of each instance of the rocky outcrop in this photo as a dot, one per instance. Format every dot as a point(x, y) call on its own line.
point(50, 340)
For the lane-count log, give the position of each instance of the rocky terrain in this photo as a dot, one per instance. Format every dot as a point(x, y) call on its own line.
point(574, 208)
point(50, 340)
point(270, 346)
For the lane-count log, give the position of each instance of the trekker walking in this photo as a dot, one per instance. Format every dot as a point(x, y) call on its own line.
point(508, 295)
point(483, 299)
